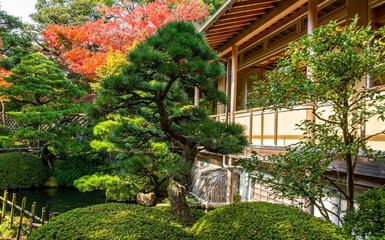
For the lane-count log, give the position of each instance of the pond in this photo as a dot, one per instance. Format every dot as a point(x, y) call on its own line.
point(58, 200)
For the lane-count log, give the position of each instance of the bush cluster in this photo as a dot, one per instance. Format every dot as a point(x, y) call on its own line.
point(113, 221)
point(239, 221)
point(368, 220)
point(76, 166)
point(19, 170)
point(261, 220)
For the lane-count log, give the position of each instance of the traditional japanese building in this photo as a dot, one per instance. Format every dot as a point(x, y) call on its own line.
point(249, 36)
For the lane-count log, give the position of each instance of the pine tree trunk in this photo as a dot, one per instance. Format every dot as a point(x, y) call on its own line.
point(179, 206)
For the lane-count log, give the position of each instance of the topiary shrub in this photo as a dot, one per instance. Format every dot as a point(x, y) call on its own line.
point(113, 221)
point(260, 220)
point(21, 171)
point(368, 220)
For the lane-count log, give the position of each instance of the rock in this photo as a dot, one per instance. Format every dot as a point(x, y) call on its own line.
point(146, 199)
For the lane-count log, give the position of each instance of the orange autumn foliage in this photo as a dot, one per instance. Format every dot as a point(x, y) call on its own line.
point(85, 48)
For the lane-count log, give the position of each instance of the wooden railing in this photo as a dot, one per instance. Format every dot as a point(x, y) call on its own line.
point(31, 216)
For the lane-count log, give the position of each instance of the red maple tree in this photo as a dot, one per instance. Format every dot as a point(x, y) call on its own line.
point(85, 48)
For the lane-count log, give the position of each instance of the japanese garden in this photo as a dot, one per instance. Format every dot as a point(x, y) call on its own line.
point(193, 119)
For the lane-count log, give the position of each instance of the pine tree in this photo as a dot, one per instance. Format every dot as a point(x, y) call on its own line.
point(48, 102)
point(157, 86)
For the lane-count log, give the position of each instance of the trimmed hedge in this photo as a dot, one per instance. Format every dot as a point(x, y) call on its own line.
point(21, 171)
point(239, 221)
point(114, 221)
point(261, 220)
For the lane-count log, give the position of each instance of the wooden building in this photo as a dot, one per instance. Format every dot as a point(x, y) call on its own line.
point(250, 35)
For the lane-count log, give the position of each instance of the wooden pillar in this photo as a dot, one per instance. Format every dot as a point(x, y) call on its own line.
point(228, 90)
point(234, 81)
point(359, 7)
point(312, 23)
point(230, 184)
point(276, 128)
point(196, 97)
point(251, 127)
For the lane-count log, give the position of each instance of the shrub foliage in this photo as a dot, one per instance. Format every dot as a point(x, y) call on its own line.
point(113, 221)
point(261, 220)
point(368, 221)
point(21, 171)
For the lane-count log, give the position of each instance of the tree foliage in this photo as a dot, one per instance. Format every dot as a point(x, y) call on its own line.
point(156, 89)
point(338, 58)
point(48, 102)
point(85, 48)
point(67, 12)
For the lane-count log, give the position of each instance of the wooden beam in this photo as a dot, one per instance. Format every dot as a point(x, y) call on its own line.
point(252, 8)
point(273, 29)
point(254, 3)
point(241, 15)
point(211, 34)
point(234, 80)
point(230, 25)
point(359, 7)
point(247, 18)
point(283, 9)
point(219, 37)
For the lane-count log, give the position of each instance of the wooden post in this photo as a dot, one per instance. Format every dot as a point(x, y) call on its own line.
point(251, 127)
point(21, 218)
point(276, 128)
point(262, 125)
point(4, 206)
point(228, 91)
point(234, 81)
point(12, 210)
point(230, 184)
point(32, 217)
point(43, 215)
point(312, 23)
point(196, 97)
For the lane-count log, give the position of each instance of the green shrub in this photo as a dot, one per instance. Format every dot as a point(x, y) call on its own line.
point(114, 221)
point(260, 220)
point(116, 189)
point(76, 166)
point(368, 221)
point(21, 171)
point(4, 130)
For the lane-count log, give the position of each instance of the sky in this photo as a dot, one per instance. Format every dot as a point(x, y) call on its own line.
point(19, 8)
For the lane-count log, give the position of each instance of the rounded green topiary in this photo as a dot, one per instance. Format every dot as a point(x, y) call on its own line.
point(114, 221)
point(21, 171)
point(260, 220)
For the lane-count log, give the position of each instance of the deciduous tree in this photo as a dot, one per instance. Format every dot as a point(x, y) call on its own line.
point(338, 59)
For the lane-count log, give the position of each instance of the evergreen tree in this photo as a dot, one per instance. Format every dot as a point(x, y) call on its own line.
point(157, 87)
point(48, 103)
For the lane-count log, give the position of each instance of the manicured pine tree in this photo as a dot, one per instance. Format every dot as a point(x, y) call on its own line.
point(48, 100)
point(157, 86)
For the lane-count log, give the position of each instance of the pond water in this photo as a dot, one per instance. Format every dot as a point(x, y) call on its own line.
point(59, 200)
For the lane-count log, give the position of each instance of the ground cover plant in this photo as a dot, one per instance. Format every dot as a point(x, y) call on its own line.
point(257, 220)
point(18, 170)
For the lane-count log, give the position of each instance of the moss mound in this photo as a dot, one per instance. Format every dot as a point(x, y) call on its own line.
point(260, 220)
point(21, 171)
point(114, 221)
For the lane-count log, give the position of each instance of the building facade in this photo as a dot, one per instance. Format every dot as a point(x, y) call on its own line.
point(249, 36)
